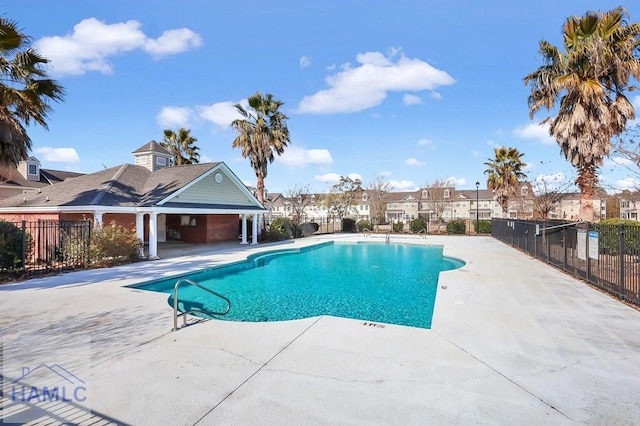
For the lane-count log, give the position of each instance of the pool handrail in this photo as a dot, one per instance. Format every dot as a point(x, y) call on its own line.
point(366, 232)
point(425, 233)
point(191, 311)
point(387, 239)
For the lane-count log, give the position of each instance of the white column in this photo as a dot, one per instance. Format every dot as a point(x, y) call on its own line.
point(244, 229)
point(97, 217)
point(140, 231)
point(254, 237)
point(153, 235)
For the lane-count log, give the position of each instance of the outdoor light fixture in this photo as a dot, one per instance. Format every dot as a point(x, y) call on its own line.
point(477, 209)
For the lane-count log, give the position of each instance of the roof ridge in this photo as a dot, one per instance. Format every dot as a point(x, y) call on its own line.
point(100, 195)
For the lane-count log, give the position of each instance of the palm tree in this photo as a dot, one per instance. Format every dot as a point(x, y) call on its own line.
point(262, 132)
point(504, 173)
point(25, 92)
point(587, 82)
point(182, 146)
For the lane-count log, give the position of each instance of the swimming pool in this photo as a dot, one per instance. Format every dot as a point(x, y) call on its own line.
point(385, 283)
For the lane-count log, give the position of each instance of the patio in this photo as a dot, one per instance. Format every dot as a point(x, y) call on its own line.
point(513, 341)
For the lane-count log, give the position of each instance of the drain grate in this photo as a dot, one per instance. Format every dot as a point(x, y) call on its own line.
point(373, 324)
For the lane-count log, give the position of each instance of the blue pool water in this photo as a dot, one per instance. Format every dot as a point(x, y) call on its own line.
point(387, 283)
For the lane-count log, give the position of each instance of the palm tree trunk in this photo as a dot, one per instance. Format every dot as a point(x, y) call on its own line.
point(260, 187)
point(586, 181)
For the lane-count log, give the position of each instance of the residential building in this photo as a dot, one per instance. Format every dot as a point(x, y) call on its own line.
point(198, 203)
point(28, 176)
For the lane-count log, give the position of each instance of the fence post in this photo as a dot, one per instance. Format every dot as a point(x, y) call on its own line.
point(588, 259)
point(621, 233)
point(23, 256)
point(564, 247)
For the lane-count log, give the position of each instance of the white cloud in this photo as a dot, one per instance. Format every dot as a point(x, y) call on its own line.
point(412, 100)
point(172, 42)
point(174, 117)
point(402, 185)
point(299, 157)
point(475, 153)
point(426, 142)
point(539, 132)
point(305, 62)
point(454, 181)
point(545, 183)
point(222, 113)
point(414, 162)
point(330, 178)
point(628, 183)
point(435, 95)
point(354, 89)
point(92, 42)
point(385, 173)
point(57, 155)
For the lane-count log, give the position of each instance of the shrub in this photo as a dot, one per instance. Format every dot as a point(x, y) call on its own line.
point(309, 228)
point(417, 225)
point(11, 245)
point(398, 227)
point(482, 226)
point(113, 244)
point(349, 225)
point(283, 228)
point(608, 238)
point(456, 227)
point(364, 224)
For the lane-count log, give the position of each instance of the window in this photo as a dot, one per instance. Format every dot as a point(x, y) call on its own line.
point(299, 198)
point(447, 193)
point(185, 220)
point(524, 191)
point(33, 169)
point(365, 197)
point(161, 161)
point(313, 198)
point(142, 160)
point(425, 193)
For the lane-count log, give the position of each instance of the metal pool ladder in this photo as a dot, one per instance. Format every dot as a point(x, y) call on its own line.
point(192, 311)
point(387, 239)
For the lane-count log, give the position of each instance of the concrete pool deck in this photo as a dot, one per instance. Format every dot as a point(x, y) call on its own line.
point(513, 341)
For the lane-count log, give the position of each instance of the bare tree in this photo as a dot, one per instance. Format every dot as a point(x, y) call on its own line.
point(300, 199)
point(548, 192)
point(627, 148)
point(437, 200)
point(378, 190)
point(342, 196)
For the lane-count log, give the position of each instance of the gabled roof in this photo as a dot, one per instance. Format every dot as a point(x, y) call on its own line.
point(10, 176)
point(126, 185)
point(151, 146)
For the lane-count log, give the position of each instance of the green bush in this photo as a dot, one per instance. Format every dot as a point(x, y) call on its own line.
point(608, 238)
point(349, 225)
point(456, 227)
point(364, 224)
point(398, 227)
point(113, 244)
point(417, 225)
point(482, 226)
point(309, 228)
point(11, 245)
point(284, 228)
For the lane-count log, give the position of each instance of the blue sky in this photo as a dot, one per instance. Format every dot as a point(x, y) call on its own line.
point(411, 91)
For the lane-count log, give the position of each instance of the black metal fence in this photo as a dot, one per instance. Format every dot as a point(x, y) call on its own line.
point(606, 256)
point(33, 248)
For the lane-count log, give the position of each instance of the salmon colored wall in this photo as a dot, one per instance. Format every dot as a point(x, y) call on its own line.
point(29, 217)
point(208, 228)
point(222, 228)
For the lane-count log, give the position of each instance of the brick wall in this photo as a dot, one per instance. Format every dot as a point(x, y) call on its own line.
point(222, 228)
point(29, 217)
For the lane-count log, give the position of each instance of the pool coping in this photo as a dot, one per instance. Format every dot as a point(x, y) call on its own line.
point(511, 338)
